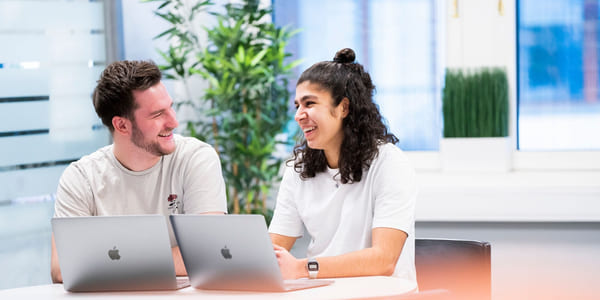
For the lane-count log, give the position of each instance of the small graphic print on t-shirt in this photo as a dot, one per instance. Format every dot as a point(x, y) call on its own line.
point(173, 203)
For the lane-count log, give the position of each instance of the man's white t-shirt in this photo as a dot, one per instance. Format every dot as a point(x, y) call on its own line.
point(340, 217)
point(189, 181)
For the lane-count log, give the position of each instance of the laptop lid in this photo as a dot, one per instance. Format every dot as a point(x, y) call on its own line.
point(104, 253)
point(231, 252)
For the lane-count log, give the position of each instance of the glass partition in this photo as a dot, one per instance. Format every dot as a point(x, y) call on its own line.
point(51, 54)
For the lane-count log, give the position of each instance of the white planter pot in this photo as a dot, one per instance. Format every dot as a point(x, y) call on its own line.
point(476, 154)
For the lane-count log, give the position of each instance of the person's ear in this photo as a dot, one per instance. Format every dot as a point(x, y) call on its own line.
point(121, 125)
point(345, 104)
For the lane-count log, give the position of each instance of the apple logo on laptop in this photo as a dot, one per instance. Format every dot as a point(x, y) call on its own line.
point(225, 252)
point(114, 253)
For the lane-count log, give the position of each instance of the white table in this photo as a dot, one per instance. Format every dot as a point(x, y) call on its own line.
point(342, 288)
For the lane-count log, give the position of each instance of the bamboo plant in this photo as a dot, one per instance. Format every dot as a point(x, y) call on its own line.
point(247, 102)
point(475, 103)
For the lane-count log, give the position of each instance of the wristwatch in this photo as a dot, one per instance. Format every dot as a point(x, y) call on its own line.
point(313, 268)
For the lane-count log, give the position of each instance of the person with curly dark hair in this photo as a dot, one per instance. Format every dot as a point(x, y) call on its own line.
point(348, 184)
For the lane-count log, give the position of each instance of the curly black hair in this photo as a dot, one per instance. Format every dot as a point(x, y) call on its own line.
point(364, 128)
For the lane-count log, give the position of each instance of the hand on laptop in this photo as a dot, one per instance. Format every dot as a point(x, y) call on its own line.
point(291, 267)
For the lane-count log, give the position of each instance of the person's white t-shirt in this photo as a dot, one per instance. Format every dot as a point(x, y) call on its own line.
point(189, 181)
point(340, 217)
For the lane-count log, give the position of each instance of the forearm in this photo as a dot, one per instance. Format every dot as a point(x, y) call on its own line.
point(366, 262)
point(178, 261)
point(54, 265)
point(286, 242)
point(55, 273)
point(380, 259)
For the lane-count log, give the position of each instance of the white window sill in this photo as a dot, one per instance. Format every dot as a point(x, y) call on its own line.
point(516, 196)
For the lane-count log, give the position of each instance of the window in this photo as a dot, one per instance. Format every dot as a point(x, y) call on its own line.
point(558, 75)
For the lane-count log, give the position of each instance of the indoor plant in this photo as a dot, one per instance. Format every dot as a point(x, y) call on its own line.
point(475, 107)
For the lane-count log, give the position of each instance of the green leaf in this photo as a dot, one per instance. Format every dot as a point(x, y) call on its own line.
point(292, 65)
point(259, 57)
point(164, 4)
point(241, 55)
point(168, 31)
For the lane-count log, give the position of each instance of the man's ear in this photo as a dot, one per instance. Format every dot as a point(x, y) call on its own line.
point(345, 104)
point(121, 125)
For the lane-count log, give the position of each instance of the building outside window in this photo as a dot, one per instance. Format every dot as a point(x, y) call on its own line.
point(558, 75)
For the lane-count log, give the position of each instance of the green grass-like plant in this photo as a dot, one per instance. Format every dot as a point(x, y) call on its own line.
point(475, 103)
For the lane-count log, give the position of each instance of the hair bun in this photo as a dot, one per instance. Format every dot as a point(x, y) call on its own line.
point(345, 55)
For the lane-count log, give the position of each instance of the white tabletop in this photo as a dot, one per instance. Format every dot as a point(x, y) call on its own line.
point(342, 288)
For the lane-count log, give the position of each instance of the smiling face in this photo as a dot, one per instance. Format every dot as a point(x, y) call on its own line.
point(154, 121)
point(320, 120)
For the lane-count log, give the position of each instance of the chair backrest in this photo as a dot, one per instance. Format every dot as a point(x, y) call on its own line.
point(463, 267)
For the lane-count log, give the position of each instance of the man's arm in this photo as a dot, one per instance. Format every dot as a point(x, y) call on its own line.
point(73, 198)
point(54, 266)
point(178, 261)
point(380, 259)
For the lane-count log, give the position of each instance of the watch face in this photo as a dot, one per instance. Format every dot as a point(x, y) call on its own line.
point(313, 266)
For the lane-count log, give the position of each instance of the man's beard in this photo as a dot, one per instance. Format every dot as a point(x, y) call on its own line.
point(137, 138)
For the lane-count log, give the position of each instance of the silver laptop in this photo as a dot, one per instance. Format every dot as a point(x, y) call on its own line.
point(232, 252)
point(115, 253)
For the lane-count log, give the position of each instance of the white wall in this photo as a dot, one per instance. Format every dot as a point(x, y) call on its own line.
point(481, 34)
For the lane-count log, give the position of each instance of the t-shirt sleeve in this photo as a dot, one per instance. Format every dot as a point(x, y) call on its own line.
point(286, 219)
point(74, 194)
point(204, 187)
point(395, 192)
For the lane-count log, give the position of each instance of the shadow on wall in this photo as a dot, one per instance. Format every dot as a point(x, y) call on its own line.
point(25, 234)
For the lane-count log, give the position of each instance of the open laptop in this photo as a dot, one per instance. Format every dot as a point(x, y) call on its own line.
point(232, 252)
point(115, 253)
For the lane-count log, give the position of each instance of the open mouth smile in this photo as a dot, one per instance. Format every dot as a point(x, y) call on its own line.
point(309, 129)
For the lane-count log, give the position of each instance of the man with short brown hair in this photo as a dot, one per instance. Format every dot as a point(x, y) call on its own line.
point(148, 169)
